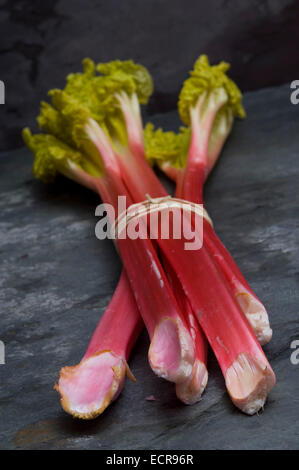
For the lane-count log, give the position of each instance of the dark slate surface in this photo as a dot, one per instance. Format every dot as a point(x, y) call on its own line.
point(56, 280)
point(42, 41)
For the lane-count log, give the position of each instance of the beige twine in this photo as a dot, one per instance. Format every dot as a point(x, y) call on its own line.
point(150, 205)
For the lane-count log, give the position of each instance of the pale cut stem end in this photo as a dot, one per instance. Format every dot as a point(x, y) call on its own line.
point(89, 387)
point(190, 391)
point(257, 316)
point(171, 353)
point(248, 382)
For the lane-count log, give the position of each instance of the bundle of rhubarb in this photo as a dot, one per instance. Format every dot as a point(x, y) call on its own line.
point(93, 134)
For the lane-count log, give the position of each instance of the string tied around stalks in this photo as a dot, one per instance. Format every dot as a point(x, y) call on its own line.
point(151, 205)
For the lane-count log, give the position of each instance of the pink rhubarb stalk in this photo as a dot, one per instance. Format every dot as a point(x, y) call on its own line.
point(89, 387)
point(248, 375)
point(140, 178)
point(190, 391)
point(171, 353)
point(190, 187)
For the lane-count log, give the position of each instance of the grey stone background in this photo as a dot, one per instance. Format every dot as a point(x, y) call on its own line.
point(55, 277)
point(42, 40)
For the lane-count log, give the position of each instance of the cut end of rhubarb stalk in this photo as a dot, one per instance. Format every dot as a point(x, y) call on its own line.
point(171, 354)
point(190, 391)
point(248, 382)
point(89, 387)
point(257, 316)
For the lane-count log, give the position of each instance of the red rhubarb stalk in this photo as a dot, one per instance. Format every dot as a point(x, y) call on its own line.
point(123, 307)
point(247, 373)
point(209, 100)
point(197, 169)
point(191, 390)
point(192, 278)
point(89, 387)
point(71, 118)
point(171, 353)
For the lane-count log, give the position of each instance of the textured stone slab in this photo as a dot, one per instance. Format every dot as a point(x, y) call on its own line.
point(41, 42)
point(56, 280)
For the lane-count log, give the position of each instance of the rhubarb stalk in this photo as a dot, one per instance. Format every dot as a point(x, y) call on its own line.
point(209, 100)
point(89, 387)
point(191, 390)
point(165, 323)
point(219, 315)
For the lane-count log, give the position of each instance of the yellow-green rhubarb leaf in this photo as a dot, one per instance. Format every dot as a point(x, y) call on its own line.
point(166, 146)
point(50, 155)
point(143, 83)
point(204, 80)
